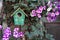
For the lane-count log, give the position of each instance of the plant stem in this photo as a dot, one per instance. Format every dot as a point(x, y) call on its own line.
point(38, 1)
point(43, 2)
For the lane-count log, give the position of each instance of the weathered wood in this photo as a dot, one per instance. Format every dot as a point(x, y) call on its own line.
point(53, 28)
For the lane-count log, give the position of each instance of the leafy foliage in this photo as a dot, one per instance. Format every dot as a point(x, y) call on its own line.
point(32, 28)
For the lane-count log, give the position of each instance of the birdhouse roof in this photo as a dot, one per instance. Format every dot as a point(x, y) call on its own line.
point(18, 10)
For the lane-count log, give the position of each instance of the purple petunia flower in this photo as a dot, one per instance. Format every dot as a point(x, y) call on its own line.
point(51, 17)
point(38, 11)
point(33, 13)
point(7, 31)
point(49, 14)
point(39, 16)
point(58, 6)
point(6, 34)
point(48, 19)
point(0, 27)
point(5, 38)
point(49, 4)
point(56, 13)
point(58, 0)
point(53, 14)
point(44, 7)
point(41, 8)
point(21, 34)
point(54, 9)
point(16, 29)
point(51, 11)
point(16, 34)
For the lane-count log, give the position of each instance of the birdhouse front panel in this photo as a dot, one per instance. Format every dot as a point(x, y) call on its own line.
point(19, 17)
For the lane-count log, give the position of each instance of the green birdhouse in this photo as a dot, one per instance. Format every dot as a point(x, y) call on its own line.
point(19, 17)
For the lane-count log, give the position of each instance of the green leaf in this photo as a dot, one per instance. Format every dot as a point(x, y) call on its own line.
point(36, 32)
point(33, 0)
point(44, 19)
point(52, 39)
point(33, 28)
point(15, 7)
point(32, 5)
point(48, 36)
point(13, 0)
point(29, 35)
point(6, 0)
point(46, 0)
point(22, 4)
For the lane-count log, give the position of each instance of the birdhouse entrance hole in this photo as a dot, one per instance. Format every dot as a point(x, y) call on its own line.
point(19, 14)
